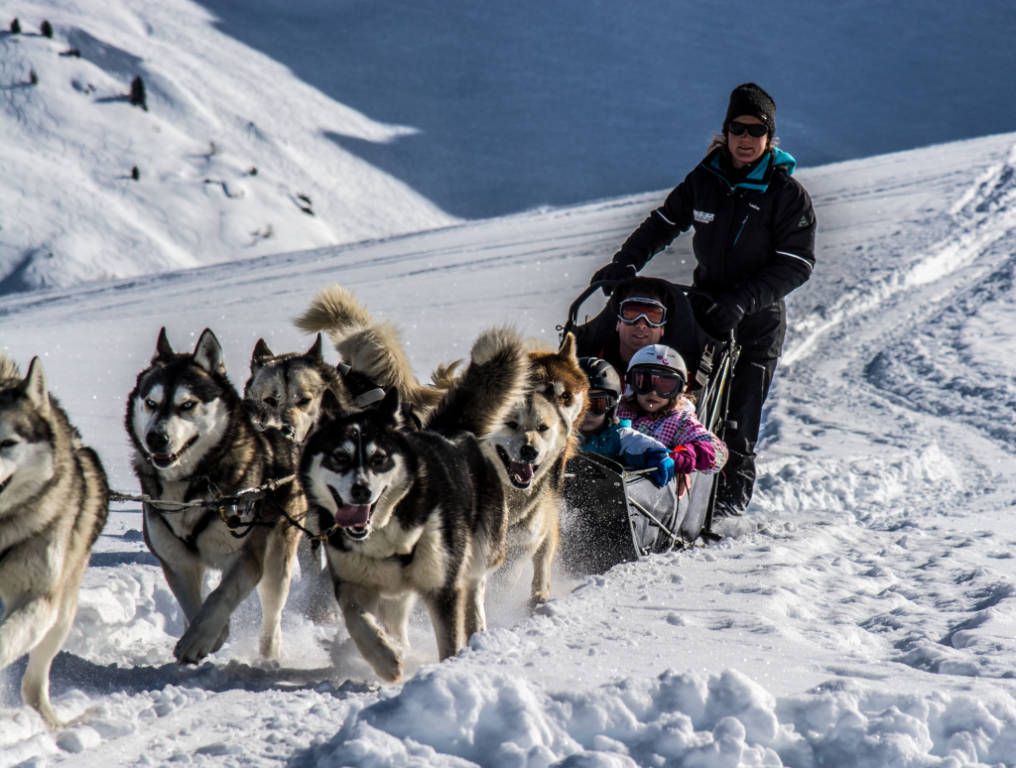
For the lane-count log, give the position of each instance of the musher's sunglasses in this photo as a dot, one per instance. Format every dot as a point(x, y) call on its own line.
point(650, 310)
point(755, 130)
point(601, 402)
point(664, 382)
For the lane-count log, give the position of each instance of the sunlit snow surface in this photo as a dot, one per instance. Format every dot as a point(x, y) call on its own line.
point(861, 614)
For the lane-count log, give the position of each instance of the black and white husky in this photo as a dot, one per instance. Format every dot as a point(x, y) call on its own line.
point(53, 504)
point(408, 513)
point(194, 442)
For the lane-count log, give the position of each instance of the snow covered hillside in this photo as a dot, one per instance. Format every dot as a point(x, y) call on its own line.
point(280, 125)
point(231, 152)
point(862, 614)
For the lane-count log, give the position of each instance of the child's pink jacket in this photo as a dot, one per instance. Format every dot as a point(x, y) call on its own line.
point(693, 447)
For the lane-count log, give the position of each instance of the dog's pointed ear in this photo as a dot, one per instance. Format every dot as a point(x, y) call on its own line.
point(315, 350)
point(330, 406)
point(390, 406)
point(163, 349)
point(208, 353)
point(260, 354)
point(34, 386)
point(567, 349)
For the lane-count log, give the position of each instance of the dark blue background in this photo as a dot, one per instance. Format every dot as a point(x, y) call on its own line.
point(522, 103)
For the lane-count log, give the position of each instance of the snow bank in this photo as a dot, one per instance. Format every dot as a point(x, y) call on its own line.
point(450, 717)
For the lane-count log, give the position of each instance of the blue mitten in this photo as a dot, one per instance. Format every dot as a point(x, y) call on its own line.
point(664, 471)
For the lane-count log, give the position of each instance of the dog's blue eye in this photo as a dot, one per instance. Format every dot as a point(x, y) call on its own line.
point(188, 405)
point(151, 404)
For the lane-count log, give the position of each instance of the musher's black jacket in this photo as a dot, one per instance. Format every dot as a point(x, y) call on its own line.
point(754, 228)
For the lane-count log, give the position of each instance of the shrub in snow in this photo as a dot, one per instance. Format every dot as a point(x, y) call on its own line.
point(15, 26)
point(46, 29)
point(137, 95)
point(33, 78)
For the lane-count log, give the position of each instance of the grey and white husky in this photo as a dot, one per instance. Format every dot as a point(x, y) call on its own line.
point(53, 504)
point(408, 513)
point(193, 442)
point(284, 390)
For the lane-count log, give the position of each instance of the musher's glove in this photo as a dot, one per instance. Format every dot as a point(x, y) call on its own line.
point(664, 471)
point(612, 271)
point(724, 314)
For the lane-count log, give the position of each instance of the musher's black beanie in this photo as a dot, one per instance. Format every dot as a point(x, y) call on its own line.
point(750, 99)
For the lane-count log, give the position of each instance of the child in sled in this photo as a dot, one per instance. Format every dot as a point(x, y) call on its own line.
point(655, 403)
point(602, 433)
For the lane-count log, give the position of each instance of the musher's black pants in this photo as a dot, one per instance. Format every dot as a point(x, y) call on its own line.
point(761, 338)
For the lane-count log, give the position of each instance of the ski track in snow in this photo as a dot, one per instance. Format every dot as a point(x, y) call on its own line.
point(863, 614)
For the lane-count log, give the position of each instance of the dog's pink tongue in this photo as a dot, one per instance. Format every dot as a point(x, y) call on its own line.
point(521, 472)
point(352, 515)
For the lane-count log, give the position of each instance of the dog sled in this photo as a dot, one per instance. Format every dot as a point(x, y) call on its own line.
point(615, 514)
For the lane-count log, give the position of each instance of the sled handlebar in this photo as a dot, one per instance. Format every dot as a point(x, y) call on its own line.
point(573, 309)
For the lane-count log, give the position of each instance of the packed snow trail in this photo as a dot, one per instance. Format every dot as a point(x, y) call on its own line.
point(862, 614)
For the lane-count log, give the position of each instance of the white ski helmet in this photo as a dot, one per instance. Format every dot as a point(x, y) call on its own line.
point(659, 356)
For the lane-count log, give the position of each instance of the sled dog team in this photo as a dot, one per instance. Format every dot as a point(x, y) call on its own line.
point(413, 491)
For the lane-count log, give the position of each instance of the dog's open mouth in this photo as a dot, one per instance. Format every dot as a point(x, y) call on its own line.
point(6, 482)
point(354, 519)
point(520, 473)
point(163, 460)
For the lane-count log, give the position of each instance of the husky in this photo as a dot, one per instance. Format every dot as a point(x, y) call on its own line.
point(408, 513)
point(371, 348)
point(284, 391)
point(194, 442)
point(531, 448)
point(53, 504)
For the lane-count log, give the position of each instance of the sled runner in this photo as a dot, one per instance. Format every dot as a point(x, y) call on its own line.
point(614, 514)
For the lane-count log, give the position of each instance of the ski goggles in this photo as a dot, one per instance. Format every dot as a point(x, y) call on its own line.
point(601, 402)
point(652, 311)
point(755, 130)
point(665, 382)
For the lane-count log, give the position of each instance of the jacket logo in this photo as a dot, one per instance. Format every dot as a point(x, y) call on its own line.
point(702, 217)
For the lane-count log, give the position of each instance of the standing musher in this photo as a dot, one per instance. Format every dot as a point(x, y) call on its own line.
point(754, 243)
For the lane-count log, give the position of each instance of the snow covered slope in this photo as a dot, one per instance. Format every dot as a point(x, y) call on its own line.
point(279, 125)
point(232, 153)
point(862, 614)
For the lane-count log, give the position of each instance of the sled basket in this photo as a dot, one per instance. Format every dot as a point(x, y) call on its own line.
point(613, 515)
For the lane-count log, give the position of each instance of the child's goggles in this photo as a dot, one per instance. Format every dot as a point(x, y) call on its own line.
point(665, 382)
point(601, 402)
point(650, 310)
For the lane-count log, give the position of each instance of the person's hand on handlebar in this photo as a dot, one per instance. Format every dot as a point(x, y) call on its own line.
point(613, 272)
